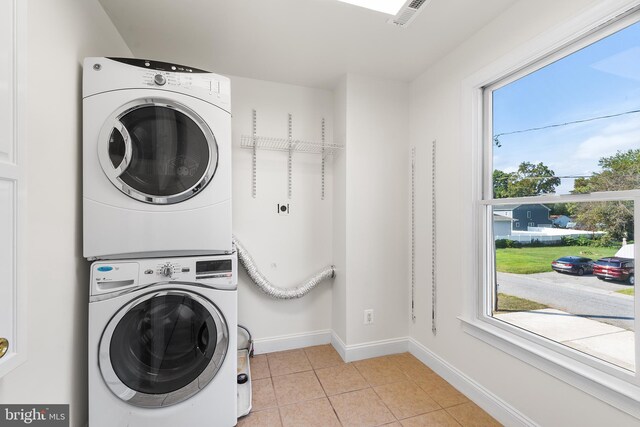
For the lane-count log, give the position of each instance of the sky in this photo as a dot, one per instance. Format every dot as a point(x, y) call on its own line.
point(601, 79)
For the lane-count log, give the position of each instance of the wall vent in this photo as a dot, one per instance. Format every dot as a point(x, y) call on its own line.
point(408, 12)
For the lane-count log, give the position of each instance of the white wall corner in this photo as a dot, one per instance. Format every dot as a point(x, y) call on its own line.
point(367, 350)
point(339, 345)
point(292, 341)
point(496, 407)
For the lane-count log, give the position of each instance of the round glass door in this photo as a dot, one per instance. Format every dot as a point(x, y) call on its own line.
point(158, 151)
point(163, 348)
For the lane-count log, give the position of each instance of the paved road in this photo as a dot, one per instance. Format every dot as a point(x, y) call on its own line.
point(583, 296)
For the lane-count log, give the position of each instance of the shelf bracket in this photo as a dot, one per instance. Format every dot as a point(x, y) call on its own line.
point(323, 157)
point(434, 276)
point(290, 157)
point(413, 234)
point(254, 158)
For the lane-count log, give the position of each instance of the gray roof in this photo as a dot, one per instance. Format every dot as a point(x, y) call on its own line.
point(513, 206)
point(498, 217)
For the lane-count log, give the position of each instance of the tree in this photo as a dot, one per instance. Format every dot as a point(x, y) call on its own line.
point(500, 184)
point(619, 172)
point(529, 180)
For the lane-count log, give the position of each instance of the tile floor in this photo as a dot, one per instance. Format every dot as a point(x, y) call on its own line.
point(314, 387)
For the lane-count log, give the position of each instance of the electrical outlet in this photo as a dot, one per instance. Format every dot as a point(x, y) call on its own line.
point(283, 209)
point(368, 317)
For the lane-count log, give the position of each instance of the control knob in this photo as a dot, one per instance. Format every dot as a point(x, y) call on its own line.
point(159, 79)
point(166, 270)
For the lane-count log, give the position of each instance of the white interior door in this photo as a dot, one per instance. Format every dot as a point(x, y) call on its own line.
point(12, 190)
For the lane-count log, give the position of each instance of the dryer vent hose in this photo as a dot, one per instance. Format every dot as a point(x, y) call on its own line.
point(269, 288)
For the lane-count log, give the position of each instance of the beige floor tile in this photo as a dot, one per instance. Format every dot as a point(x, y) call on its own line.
point(379, 371)
point(411, 366)
point(471, 415)
point(406, 399)
point(433, 419)
point(297, 387)
point(323, 356)
point(259, 367)
point(394, 424)
point(361, 408)
point(312, 413)
point(263, 395)
point(266, 418)
point(288, 362)
point(341, 379)
point(441, 391)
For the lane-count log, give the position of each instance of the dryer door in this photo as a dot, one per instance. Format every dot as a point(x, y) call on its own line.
point(158, 151)
point(163, 348)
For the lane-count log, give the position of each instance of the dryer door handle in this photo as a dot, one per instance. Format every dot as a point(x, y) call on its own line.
point(128, 150)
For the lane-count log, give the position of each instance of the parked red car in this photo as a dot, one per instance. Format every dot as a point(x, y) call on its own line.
point(615, 268)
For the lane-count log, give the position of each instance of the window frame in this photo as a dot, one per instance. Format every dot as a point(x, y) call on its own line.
point(612, 384)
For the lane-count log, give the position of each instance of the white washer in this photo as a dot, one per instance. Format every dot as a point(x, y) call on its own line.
point(156, 160)
point(162, 342)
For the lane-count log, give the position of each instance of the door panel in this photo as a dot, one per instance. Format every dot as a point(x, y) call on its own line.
point(8, 282)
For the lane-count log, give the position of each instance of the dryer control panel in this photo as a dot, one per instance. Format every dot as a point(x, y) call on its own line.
point(114, 277)
point(108, 74)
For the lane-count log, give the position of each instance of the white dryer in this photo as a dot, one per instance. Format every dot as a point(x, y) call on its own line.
point(156, 160)
point(162, 342)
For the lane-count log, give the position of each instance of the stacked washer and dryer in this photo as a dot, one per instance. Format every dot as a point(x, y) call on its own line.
point(157, 223)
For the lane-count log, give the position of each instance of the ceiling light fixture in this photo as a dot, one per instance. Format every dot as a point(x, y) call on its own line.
point(390, 7)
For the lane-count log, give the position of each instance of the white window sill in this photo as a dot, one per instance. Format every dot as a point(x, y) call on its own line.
point(609, 388)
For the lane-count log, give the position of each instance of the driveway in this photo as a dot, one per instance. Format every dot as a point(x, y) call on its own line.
point(584, 296)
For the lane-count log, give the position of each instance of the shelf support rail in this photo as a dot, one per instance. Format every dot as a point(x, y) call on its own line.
point(254, 158)
point(290, 157)
point(323, 158)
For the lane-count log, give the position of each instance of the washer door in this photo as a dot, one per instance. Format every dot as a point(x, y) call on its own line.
point(163, 348)
point(158, 151)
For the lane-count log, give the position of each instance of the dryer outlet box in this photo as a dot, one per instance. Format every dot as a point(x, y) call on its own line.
point(283, 209)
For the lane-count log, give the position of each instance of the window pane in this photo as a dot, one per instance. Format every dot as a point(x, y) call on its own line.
point(570, 277)
point(572, 126)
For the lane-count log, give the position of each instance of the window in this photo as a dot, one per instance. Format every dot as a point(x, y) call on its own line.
point(562, 134)
point(586, 141)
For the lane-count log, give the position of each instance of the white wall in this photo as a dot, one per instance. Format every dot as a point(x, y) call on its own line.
point(376, 208)
point(288, 249)
point(60, 34)
point(436, 113)
point(339, 303)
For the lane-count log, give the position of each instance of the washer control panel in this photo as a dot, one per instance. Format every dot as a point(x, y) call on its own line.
point(216, 271)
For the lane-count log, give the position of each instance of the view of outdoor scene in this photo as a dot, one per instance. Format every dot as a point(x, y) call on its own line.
point(565, 270)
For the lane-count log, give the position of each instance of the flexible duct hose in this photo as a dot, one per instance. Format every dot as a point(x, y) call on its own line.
point(269, 288)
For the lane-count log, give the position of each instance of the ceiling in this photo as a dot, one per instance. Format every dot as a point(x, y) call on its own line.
point(305, 42)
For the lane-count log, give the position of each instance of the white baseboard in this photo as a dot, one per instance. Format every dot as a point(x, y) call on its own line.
point(290, 342)
point(350, 353)
point(496, 407)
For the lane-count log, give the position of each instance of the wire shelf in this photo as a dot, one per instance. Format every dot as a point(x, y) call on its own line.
point(282, 144)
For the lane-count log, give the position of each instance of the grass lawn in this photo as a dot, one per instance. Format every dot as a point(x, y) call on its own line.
point(629, 291)
point(538, 260)
point(509, 303)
